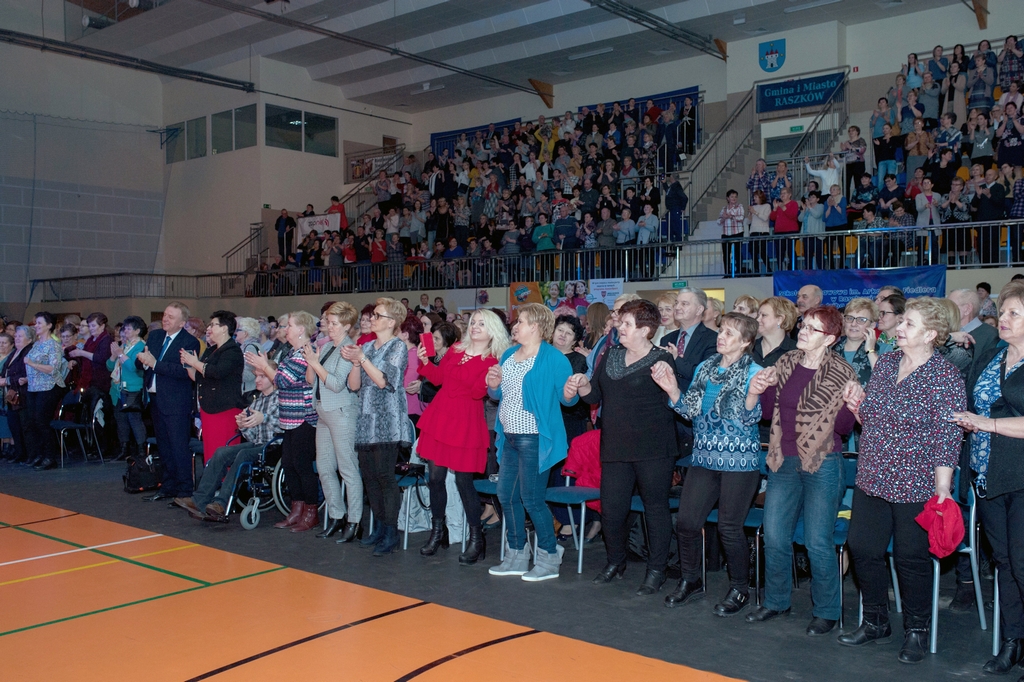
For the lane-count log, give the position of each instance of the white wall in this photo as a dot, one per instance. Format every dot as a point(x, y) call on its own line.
point(809, 49)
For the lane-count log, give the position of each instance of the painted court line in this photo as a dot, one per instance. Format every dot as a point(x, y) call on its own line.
point(451, 657)
point(81, 549)
point(29, 523)
point(103, 563)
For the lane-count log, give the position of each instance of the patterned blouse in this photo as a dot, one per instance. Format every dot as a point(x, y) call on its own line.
point(907, 432)
point(294, 395)
point(384, 412)
point(514, 417)
point(987, 391)
point(43, 352)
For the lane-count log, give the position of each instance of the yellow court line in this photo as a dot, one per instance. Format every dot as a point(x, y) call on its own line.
point(103, 563)
point(66, 570)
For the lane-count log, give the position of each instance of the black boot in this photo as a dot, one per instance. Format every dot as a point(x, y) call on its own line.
point(349, 534)
point(1010, 654)
point(915, 645)
point(388, 541)
point(653, 580)
point(122, 455)
point(373, 538)
point(875, 628)
point(476, 548)
point(438, 538)
point(610, 573)
point(685, 592)
point(333, 526)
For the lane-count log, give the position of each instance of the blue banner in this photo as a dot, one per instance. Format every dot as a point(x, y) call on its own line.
point(838, 287)
point(804, 92)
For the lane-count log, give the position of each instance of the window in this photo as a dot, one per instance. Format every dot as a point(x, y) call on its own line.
point(245, 127)
point(175, 143)
point(321, 135)
point(221, 132)
point(195, 132)
point(284, 128)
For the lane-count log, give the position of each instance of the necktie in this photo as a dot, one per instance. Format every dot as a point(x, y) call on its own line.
point(682, 342)
point(163, 349)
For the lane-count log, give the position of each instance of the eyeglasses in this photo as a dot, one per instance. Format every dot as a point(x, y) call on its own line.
point(377, 316)
point(812, 329)
point(886, 312)
point(859, 320)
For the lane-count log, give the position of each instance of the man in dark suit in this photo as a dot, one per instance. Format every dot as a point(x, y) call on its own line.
point(984, 336)
point(691, 344)
point(171, 401)
point(988, 205)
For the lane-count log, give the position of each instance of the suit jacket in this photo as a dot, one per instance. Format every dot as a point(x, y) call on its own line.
point(220, 388)
point(985, 338)
point(701, 346)
point(173, 383)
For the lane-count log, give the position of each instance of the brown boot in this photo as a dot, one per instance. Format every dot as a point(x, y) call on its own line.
point(293, 517)
point(308, 519)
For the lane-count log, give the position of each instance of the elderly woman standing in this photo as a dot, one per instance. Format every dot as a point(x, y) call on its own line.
point(638, 441)
point(383, 425)
point(857, 344)
point(725, 409)
point(996, 395)
point(913, 392)
point(41, 363)
point(247, 336)
point(298, 421)
point(335, 383)
point(219, 375)
point(528, 383)
point(453, 430)
point(802, 395)
point(15, 387)
point(128, 383)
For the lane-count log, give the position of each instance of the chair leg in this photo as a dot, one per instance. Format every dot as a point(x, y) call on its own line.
point(758, 548)
point(579, 538)
point(977, 586)
point(704, 559)
point(842, 583)
point(933, 640)
point(501, 552)
point(81, 444)
point(996, 622)
point(405, 535)
point(860, 608)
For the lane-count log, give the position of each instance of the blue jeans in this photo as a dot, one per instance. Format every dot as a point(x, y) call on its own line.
point(221, 473)
point(885, 168)
point(522, 489)
point(793, 493)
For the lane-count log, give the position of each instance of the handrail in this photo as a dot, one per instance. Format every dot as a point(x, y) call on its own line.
point(837, 96)
point(794, 76)
point(253, 227)
point(881, 247)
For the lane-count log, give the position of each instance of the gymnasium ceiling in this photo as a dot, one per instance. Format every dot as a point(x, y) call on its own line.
point(510, 40)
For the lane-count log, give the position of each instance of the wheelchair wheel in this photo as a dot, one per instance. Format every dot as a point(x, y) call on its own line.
point(260, 481)
point(251, 515)
point(279, 489)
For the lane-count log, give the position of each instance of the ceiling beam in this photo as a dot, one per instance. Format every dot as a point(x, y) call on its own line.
point(655, 23)
point(981, 13)
point(545, 91)
point(300, 26)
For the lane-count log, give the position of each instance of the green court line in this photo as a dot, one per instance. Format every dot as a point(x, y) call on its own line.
point(126, 560)
point(140, 601)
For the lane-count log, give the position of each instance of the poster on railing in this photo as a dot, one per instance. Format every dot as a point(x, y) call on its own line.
point(838, 287)
point(320, 223)
point(573, 294)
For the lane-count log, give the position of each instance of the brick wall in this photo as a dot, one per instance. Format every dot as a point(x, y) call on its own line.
point(66, 230)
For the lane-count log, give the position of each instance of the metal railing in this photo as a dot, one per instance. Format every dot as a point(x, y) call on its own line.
point(966, 245)
point(828, 125)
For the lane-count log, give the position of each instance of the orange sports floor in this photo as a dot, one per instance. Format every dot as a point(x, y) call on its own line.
point(86, 599)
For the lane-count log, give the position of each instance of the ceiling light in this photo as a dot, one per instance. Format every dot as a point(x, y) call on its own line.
point(97, 21)
point(591, 53)
point(561, 73)
point(428, 88)
point(660, 51)
point(739, 19)
point(809, 5)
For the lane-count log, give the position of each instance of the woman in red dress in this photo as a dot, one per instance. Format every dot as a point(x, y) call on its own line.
point(453, 431)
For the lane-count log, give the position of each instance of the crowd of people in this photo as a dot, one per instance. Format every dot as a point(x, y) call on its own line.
point(916, 387)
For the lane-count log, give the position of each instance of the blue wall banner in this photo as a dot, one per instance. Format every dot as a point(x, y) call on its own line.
point(803, 92)
point(840, 286)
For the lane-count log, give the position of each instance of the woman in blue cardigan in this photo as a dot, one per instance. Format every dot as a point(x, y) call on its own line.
point(528, 382)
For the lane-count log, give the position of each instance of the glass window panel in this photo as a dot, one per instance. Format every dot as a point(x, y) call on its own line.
point(321, 135)
point(174, 147)
point(196, 133)
point(284, 128)
point(245, 127)
point(221, 132)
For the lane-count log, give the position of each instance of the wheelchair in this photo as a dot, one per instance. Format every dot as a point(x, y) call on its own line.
point(259, 487)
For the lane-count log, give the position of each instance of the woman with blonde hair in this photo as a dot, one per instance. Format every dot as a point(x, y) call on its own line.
point(857, 344)
point(453, 430)
point(335, 397)
point(666, 303)
point(383, 425)
point(713, 314)
point(745, 304)
point(597, 317)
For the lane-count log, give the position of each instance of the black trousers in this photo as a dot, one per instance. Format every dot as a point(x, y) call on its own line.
point(467, 493)
point(652, 478)
point(732, 254)
point(734, 491)
point(873, 522)
point(40, 439)
point(298, 452)
point(1003, 520)
point(14, 422)
point(377, 467)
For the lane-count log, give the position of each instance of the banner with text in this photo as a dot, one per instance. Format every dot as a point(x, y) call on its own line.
point(320, 223)
point(838, 287)
point(794, 94)
point(574, 295)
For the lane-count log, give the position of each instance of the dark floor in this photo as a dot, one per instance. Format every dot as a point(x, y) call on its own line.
point(608, 615)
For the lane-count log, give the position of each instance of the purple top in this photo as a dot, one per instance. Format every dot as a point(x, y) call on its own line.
point(906, 429)
point(788, 401)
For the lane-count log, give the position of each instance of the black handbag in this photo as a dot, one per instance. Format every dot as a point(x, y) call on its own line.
point(132, 401)
point(143, 473)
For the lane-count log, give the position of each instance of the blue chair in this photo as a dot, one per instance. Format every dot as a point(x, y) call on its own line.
point(569, 496)
point(62, 425)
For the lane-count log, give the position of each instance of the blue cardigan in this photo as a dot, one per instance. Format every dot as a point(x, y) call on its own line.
point(542, 397)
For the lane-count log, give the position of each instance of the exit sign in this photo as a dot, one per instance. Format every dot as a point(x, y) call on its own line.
point(796, 129)
point(266, 205)
point(679, 284)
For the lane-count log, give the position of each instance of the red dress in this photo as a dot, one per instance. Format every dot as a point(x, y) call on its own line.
point(453, 431)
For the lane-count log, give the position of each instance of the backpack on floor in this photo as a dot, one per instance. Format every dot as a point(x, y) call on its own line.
point(143, 473)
